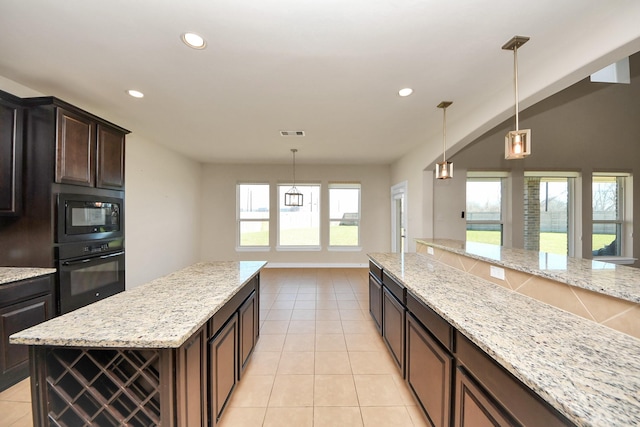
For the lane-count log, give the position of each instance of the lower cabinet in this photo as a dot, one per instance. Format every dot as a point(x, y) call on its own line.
point(429, 370)
point(474, 407)
point(247, 314)
point(375, 301)
point(223, 361)
point(23, 304)
point(191, 384)
point(393, 315)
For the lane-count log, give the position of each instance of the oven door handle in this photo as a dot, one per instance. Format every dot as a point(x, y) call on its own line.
point(82, 261)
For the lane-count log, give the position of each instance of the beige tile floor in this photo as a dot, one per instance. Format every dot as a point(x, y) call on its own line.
point(319, 360)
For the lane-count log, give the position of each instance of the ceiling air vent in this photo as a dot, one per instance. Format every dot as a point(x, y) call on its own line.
point(291, 133)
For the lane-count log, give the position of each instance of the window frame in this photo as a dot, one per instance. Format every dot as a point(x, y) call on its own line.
point(490, 176)
point(239, 220)
point(280, 205)
point(625, 214)
point(358, 220)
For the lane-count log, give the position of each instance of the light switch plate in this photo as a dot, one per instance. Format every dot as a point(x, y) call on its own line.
point(429, 250)
point(496, 272)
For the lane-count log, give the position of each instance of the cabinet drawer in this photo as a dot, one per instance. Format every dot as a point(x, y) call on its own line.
point(438, 327)
point(395, 288)
point(523, 405)
point(375, 270)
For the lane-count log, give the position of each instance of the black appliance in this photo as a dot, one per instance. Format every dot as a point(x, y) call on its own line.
point(88, 272)
point(84, 217)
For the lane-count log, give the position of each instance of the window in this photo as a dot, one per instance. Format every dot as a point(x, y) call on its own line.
point(344, 214)
point(607, 201)
point(253, 215)
point(299, 226)
point(548, 212)
point(484, 208)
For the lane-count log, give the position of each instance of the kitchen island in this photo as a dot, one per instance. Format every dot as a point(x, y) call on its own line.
point(567, 368)
point(165, 353)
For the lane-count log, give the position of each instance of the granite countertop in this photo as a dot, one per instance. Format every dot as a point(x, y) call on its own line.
point(614, 280)
point(14, 274)
point(588, 372)
point(163, 313)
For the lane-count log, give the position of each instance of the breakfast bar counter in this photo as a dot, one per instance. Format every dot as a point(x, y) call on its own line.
point(165, 353)
point(588, 373)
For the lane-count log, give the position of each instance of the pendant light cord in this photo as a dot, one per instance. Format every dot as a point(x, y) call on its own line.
point(444, 134)
point(515, 73)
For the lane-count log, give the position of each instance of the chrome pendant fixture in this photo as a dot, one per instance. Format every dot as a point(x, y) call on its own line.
point(444, 169)
point(293, 197)
point(517, 143)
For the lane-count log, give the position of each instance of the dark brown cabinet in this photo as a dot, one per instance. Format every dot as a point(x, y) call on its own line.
point(11, 123)
point(75, 149)
point(22, 304)
point(375, 301)
point(110, 158)
point(474, 406)
point(247, 330)
point(223, 361)
point(191, 380)
point(393, 319)
point(429, 370)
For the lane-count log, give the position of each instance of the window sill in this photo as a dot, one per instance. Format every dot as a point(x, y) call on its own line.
point(344, 248)
point(253, 248)
point(298, 248)
point(621, 260)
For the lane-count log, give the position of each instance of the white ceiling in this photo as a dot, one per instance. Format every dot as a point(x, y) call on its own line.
point(329, 67)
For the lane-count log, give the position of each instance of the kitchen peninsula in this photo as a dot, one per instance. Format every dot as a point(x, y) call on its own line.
point(165, 353)
point(472, 349)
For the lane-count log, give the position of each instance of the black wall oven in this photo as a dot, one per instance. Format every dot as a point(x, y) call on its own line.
point(89, 251)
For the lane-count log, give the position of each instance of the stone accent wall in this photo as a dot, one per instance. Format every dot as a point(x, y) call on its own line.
point(532, 213)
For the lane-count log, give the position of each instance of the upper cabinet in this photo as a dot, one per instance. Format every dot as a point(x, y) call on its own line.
point(11, 123)
point(110, 159)
point(75, 149)
point(88, 152)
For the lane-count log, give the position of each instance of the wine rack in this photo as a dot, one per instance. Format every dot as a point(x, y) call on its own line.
point(103, 387)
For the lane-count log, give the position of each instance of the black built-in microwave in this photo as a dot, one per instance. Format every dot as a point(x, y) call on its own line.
point(83, 217)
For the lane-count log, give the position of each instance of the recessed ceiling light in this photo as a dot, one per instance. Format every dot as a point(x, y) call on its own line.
point(135, 93)
point(194, 41)
point(405, 92)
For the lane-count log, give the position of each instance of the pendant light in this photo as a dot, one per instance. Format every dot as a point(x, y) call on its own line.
point(293, 197)
point(444, 169)
point(517, 143)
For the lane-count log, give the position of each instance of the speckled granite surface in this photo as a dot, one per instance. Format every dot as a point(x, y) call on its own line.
point(163, 313)
point(615, 280)
point(589, 372)
point(13, 274)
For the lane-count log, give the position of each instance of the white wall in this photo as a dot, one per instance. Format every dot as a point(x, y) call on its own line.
point(219, 211)
point(162, 211)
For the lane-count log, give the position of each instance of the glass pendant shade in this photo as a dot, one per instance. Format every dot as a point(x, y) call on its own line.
point(517, 144)
point(444, 170)
point(293, 197)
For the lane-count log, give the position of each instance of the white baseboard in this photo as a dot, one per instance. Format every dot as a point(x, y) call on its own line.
point(314, 265)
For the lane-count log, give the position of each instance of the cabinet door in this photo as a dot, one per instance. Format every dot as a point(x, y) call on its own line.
point(191, 371)
point(375, 301)
point(110, 161)
point(474, 407)
point(429, 373)
point(393, 315)
point(10, 158)
point(75, 149)
point(247, 324)
point(224, 367)
point(14, 359)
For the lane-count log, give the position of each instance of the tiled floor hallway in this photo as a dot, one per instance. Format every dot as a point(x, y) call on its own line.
point(319, 360)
